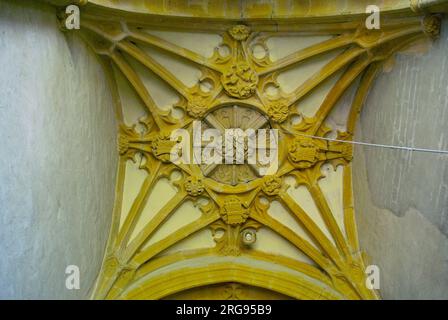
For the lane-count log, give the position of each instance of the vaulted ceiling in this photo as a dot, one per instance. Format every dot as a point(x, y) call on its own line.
point(226, 231)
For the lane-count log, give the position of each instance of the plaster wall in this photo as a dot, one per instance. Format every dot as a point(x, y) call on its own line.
point(57, 156)
point(401, 197)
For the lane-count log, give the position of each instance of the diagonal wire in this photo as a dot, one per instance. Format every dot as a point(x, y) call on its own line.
point(376, 145)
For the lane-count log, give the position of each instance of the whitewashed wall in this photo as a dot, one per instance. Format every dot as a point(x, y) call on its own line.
point(402, 197)
point(57, 156)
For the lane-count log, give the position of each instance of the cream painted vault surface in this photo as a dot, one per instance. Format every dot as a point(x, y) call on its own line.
point(57, 156)
point(166, 224)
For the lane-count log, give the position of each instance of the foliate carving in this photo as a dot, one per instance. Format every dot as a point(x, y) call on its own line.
point(278, 111)
point(194, 186)
point(123, 144)
point(232, 291)
point(234, 211)
point(197, 108)
point(239, 32)
point(130, 142)
point(240, 81)
point(161, 147)
point(338, 151)
point(431, 25)
point(272, 185)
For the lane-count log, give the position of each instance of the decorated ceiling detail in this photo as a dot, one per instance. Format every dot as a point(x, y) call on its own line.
point(239, 87)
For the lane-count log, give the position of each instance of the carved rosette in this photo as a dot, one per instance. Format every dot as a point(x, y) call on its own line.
point(278, 111)
point(196, 108)
point(194, 186)
point(272, 185)
point(239, 32)
point(240, 81)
